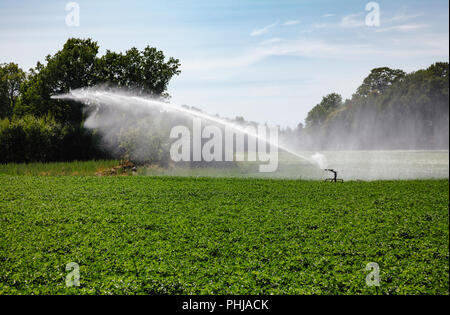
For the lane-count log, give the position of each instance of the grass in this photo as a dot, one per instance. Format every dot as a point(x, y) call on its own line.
point(170, 235)
point(76, 168)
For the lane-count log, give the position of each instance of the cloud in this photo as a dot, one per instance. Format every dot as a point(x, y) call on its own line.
point(403, 28)
point(352, 21)
point(224, 63)
point(299, 48)
point(320, 25)
point(404, 17)
point(264, 30)
point(357, 20)
point(291, 22)
point(432, 47)
point(271, 41)
point(328, 15)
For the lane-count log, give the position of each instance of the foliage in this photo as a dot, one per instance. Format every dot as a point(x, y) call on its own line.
point(144, 146)
point(317, 116)
point(76, 65)
point(379, 80)
point(11, 78)
point(141, 71)
point(166, 235)
point(30, 139)
point(70, 68)
point(391, 110)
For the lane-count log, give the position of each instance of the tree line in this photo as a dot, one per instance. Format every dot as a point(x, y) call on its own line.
point(390, 110)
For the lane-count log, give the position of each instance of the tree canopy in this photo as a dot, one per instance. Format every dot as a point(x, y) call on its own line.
point(11, 78)
point(390, 110)
point(317, 116)
point(143, 71)
point(379, 80)
point(77, 65)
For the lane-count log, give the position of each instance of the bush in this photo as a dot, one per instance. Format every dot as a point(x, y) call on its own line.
point(33, 139)
point(144, 146)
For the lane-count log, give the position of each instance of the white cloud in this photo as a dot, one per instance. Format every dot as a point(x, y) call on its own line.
point(403, 28)
point(320, 25)
point(271, 41)
point(264, 30)
point(328, 15)
point(432, 47)
point(352, 21)
point(300, 48)
point(291, 22)
point(224, 63)
point(404, 17)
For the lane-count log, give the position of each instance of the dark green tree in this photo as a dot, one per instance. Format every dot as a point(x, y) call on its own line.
point(391, 110)
point(379, 80)
point(77, 66)
point(317, 116)
point(144, 72)
point(11, 79)
point(70, 68)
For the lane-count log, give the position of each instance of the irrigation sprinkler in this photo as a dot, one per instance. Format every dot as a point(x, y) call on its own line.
point(334, 179)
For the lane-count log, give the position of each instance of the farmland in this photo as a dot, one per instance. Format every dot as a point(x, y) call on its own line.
point(173, 235)
point(74, 168)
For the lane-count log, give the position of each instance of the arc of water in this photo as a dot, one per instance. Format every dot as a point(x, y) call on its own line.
point(89, 95)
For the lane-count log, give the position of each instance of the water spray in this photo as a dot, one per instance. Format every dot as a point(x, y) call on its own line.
point(124, 101)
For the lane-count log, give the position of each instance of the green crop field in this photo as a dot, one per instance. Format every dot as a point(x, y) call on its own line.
point(74, 168)
point(170, 235)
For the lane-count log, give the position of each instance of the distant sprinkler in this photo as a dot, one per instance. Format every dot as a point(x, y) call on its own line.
point(334, 179)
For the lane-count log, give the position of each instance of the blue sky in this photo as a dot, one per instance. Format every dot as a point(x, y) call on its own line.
point(267, 60)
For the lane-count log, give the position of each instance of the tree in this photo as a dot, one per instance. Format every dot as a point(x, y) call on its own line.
point(11, 79)
point(77, 66)
point(440, 70)
point(239, 119)
point(142, 71)
point(379, 80)
point(317, 116)
point(70, 68)
point(48, 129)
point(391, 110)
